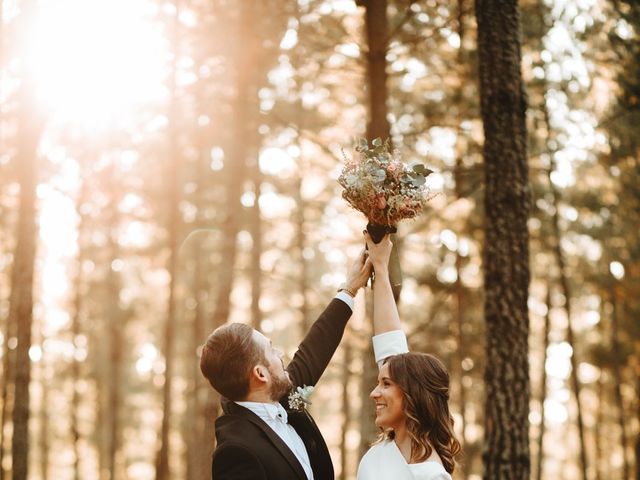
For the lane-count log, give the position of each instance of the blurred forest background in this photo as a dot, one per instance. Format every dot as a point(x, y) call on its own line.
point(168, 166)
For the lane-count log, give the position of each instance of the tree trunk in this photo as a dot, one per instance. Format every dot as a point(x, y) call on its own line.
point(459, 307)
point(21, 308)
point(457, 325)
point(346, 407)
point(43, 440)
point(617, 381)
point(102, 416)
point(235, 167)
point(458, 372)
point(21, 297)
point(299, 218)
point(76, 328)
point(111, 393)
point(192, 432)
point(7, 379)
point(199, 432)
point(377, 29)
point(173, 227)
point(301, 244)
point(377, 32)
point(199, 437)
point(368, 429)
point(506, 250)
point(459, 289)
point(564, 274)
point(543, 384)
point(114, 394)
point(246, 95)
point(600, 458)
point(638, 457)
point(566, 291)
point(255, 227)
point(637, 446)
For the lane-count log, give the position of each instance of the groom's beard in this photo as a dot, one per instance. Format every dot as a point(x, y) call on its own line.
point(280, 386)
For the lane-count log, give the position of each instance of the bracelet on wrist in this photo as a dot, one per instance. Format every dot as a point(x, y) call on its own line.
point(348, 291)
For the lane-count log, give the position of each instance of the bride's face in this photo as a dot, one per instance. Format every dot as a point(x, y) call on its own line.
point(389, 401)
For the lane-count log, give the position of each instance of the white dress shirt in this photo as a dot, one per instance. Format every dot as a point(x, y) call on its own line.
point(346, 298)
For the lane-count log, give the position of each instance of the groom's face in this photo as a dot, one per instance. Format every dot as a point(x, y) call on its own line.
point(279, 381)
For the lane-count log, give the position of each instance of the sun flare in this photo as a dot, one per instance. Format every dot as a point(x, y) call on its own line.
point(96, 61)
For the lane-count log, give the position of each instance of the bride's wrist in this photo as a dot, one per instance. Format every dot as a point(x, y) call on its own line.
point(381, 270)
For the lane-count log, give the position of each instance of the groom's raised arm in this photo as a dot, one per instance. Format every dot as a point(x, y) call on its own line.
point(323, 338)
point(319, 345)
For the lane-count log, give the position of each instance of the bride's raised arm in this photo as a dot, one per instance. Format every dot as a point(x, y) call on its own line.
point(411, 396)
point(388, 337)
point(385, 311)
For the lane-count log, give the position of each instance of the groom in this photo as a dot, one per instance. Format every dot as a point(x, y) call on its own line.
point(259, 437)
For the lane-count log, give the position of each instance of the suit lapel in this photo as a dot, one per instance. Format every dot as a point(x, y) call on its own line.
point(277, 442)
point(303, 423)
point(300, 421)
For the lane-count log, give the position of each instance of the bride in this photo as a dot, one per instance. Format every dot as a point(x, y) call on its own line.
point(411, 399)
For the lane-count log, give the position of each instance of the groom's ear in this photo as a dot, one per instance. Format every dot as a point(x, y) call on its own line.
point(260, 373)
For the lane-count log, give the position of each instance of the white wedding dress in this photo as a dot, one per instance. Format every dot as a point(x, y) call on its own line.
point(384, 460)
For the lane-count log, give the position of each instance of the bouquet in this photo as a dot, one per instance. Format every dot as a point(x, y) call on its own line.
point(387, 191)
point(382, 187)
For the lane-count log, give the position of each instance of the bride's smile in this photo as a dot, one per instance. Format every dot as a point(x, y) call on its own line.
point(388, 400)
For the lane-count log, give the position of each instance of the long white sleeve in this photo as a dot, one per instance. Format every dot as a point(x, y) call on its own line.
point(389, 343)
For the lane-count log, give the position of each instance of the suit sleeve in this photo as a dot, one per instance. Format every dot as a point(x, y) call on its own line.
point(233, 462)
point(319, 345)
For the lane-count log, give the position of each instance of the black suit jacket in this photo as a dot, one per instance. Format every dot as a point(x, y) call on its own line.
point(248, 449)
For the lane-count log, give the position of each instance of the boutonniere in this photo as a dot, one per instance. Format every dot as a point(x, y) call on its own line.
point(299, 398)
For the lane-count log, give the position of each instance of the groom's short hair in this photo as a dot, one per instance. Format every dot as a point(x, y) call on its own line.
point(227, 358)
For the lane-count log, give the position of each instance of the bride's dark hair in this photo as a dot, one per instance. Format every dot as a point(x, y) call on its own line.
point(424, 382)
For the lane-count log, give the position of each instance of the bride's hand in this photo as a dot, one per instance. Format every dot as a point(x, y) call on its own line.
point(379, 253)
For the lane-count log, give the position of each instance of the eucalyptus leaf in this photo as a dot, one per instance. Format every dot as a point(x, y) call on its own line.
point(421, 170)
point(406, 178)
point(418, 181)
point(377, 142)
point(379, 176)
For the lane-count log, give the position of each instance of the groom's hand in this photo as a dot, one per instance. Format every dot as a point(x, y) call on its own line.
point(359, 272)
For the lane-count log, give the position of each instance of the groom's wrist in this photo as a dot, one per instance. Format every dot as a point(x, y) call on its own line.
point(348, 290)
point(346, 298)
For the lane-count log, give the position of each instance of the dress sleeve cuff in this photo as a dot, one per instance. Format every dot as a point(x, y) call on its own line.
point(388, 344)
point(346, 298)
